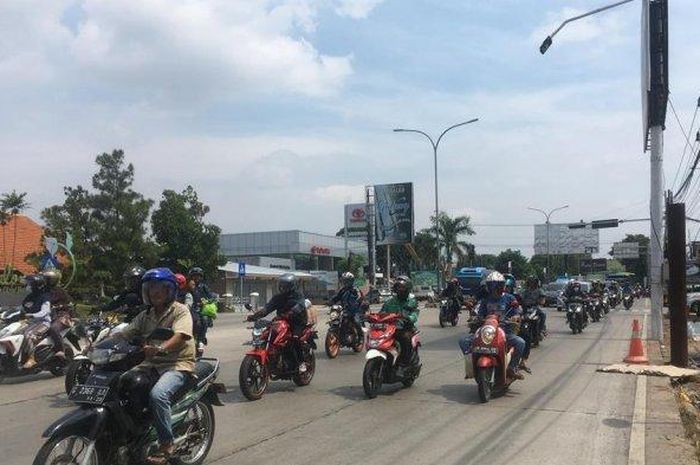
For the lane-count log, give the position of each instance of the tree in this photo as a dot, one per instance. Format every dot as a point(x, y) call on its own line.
point(638, 266)
point(108, 224)
point(185, 239)
point(451, 231)
point(520, 267)
point(485, 260)
point(12, 204)
point(353, 264)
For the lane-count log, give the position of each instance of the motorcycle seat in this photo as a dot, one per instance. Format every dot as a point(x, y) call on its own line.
point(202, 371)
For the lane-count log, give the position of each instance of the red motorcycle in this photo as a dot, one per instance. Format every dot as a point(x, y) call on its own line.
point(490, 359)
point(384, 351)
point(272, 357)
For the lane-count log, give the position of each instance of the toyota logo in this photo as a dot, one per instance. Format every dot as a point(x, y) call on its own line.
point(358, 213)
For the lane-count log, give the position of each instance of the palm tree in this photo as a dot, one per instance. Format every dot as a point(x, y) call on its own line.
point(14, 204)
point(451, 232)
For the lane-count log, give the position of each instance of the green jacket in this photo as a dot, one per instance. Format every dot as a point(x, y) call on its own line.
point(407, 308)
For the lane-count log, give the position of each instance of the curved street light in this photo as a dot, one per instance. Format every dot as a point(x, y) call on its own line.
point(548, 215)
point(435, 145)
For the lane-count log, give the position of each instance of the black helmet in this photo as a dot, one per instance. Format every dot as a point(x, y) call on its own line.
point(194, 271)
point(287, 283)
point(35, 282)
point(132, 276)
point(402, 287)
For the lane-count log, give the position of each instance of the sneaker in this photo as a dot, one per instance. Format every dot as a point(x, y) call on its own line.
point(30, 363)
point(302, 367)
point(523, 366)
point(512, 374)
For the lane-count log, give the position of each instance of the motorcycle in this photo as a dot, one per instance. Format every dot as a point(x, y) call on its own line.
point(342, 332)
point(449, 312)
point(614, 300)
point(576, 317)
point(7, 317)
point(605, 303)
point(594, 309)
point(22, 339)
point(530, 327)
point(628, 301)
point(490, 359)
point(272, 358)
point(113, 423)
point(384, 351)
point(94, 331)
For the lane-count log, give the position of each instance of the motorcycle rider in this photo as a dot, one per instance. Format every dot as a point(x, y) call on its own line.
point(130, 300)
point(506, 306)
point(200, 293)
point(453, 294)
point(289, 302)
point(36, 306)
point(351, 299)
point(172, 360)
point(184, 296)
point(61, 309)
point(404, 304)
point(532, 297)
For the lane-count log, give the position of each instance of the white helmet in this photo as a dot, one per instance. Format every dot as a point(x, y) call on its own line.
point(495, 276)
point(348, 279)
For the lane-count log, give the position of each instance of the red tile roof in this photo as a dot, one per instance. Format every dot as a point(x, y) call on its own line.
point(29, 240)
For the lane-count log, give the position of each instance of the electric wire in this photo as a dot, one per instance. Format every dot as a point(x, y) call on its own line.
point(687, 140)
point(685, 147)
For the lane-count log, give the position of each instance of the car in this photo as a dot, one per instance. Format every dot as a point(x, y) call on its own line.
point(693, 299)
point(424, 292)
point(553, 294)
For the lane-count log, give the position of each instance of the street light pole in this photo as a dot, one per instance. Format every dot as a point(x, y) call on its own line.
point(435, 145)
point(547, 216)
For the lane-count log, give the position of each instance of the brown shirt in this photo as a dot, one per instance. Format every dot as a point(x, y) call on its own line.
point(177, 318)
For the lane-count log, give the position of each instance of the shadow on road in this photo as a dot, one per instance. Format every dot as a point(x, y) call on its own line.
point(26, 378)
point(464, 393)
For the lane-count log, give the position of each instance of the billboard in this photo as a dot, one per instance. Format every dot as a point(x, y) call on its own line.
point(393, 205)
point(565, 241)
point(356, 220)
point(626, 250)
point(593, 265)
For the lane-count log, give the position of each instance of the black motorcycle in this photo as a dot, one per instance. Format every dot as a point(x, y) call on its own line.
point(343, 332)
point(628, 301)
point(576, 316)
point(113, 424)
point(449, 312)
point(530, 326)
point(594, 309)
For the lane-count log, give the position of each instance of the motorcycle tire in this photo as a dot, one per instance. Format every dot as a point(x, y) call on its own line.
point(77, 373)
point(442, 320)
point(483, 380)
point(250, 366)
point(360, 346)
point(43, 457)
point(372, 377)
point(455, 320)
point(332, 344)
point(208, 424)
point(304, 379)
point(59, 369)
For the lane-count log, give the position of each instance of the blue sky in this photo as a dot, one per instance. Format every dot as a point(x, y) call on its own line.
point(278, 112)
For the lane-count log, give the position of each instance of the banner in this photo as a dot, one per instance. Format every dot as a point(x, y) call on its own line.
point(394, 213)
point(356, 220)
point(563, 240)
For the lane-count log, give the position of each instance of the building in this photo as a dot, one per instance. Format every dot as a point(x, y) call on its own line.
point(267, 255)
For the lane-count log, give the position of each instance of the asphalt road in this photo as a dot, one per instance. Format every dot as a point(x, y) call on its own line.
point(565, 412)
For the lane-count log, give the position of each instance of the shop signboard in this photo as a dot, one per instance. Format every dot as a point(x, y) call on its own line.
point(356, 220)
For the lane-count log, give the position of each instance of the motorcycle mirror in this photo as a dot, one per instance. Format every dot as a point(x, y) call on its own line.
point(161, 334)
point(248, 307)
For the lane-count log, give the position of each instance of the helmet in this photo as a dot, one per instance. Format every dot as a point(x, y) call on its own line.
point(196, 271)
point(402, 287)
point(132, 276)
point(454, 281)
point(181, 280)
point(35, 282)
point(287, 283)
point(495, 282)
point(52, 276)
point(134, 388)
point(348, 279)
point(159, 277)
point(532, 280)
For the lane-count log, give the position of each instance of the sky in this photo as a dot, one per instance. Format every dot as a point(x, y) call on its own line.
point(278, 112)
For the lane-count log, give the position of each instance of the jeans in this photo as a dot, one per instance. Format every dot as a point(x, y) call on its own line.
point(516, 342)
point(203, 323)
point(161, 395)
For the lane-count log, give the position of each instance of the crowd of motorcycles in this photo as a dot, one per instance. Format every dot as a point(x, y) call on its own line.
point(114, 418)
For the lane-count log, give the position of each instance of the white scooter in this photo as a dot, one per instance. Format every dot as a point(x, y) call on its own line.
point(23, 338)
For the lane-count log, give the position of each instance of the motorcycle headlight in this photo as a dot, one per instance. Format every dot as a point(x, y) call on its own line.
point(100, 356)
point(577, 309)
point(257, 332)
point(487, 334)
point(334, 315)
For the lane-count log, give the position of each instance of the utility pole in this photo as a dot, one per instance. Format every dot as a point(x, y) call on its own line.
point(677, 299)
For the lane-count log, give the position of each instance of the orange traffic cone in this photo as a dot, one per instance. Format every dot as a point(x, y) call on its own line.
point(636, 354)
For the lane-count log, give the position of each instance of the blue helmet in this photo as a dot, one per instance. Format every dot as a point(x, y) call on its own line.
point(159, 276)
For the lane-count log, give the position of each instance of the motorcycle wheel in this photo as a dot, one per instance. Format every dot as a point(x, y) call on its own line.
point(77, 373)
point(360, 346)
point(483, 380)
point(303, 379)
point(60, 369)
point(332, 344)
point(372, 377)
point(455, 320)
point(442, 320)
point(62, 450)
point(253, 378)
point(202, 415)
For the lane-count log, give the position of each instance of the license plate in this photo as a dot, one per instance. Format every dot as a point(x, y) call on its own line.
point(89, 394)
point(485, 350)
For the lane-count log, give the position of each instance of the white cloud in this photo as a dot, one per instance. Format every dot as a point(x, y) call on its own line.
point(356, 8)
point(339, 194)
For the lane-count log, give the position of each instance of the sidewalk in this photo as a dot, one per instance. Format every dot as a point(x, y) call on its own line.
point(665, 438)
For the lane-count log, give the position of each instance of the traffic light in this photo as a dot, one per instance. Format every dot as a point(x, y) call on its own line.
point(580, 225)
